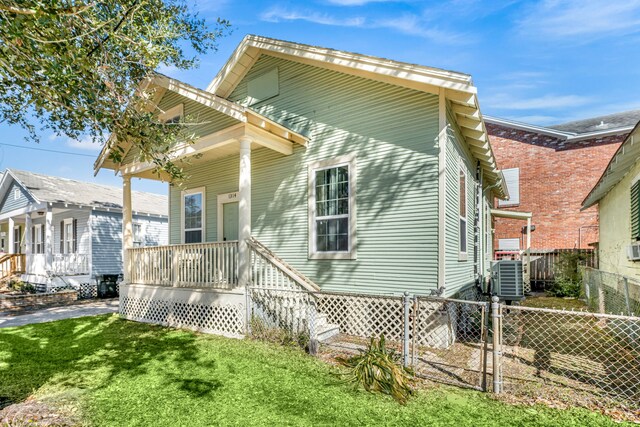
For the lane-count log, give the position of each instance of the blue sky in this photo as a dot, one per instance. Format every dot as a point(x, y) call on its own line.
point(541, 62)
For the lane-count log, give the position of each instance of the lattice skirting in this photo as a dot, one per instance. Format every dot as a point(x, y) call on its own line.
point(205, 311)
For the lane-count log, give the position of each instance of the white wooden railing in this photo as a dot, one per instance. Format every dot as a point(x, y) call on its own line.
point(195, 265)
point(268, 271)
point(61, 264)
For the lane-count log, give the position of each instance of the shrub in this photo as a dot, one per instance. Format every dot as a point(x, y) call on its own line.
point(20, 286)
point(377, 369)
point(568, 280)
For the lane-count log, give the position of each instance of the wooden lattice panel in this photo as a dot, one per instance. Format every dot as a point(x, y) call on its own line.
point(222, 319)
point(364, 315)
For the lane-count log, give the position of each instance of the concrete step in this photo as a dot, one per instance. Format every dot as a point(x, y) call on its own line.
point(327, 331)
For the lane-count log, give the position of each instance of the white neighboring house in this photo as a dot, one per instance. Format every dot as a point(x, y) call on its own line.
point(70, 232)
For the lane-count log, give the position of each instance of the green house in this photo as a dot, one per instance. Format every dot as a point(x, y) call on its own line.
point(343, 172)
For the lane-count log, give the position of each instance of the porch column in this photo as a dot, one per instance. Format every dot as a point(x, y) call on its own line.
point(127, 227)
point(48, 238)
point(27, 237)
point(244, 212)
point(10, 241)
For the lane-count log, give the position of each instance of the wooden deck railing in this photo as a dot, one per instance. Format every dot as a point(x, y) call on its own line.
point(11, 264)
point(195, 265)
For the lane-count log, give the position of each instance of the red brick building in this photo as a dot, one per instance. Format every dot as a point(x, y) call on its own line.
point(549, 171)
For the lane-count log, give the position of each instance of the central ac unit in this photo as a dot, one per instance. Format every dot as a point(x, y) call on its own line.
point(633, 252)
point(507, 280)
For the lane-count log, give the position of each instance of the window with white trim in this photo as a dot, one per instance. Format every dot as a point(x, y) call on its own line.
point(16, 194)
point(68, 243)
point(462, 196)
point(512, 180)
point(137, 234)
point(193, 216)
point(172, 115)
point(332, 209)
point(37, 244)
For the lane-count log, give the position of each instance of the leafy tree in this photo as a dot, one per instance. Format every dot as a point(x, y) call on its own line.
point(76, 66)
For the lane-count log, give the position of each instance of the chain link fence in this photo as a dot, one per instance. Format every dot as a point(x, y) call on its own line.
point(611, 293)
point(577, 357)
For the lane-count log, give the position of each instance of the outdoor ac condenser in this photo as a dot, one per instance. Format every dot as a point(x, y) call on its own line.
point(506, 280)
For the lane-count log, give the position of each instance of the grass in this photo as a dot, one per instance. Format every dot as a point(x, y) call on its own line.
point(119, 373)
point(555, 302)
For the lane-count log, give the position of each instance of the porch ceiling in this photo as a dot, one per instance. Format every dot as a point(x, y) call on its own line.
point(262, 131)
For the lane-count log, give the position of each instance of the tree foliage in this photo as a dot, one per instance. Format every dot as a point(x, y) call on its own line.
point(75, 66)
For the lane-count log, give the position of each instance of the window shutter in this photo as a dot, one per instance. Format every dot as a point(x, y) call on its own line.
point(61, 237)
point(42, 240)
point(75, 235)
point(33, 239)
point(635, 211)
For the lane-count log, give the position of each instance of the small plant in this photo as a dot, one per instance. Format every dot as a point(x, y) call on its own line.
point(281, 336)
point(568, 280)
point(378, 369)
point(22, 287)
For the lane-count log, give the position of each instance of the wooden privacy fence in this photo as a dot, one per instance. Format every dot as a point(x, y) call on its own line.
point(544, 263)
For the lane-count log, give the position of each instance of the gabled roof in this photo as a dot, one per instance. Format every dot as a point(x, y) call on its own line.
point(51, 189)
point(224, 106)
point(595, 127)
point(620, 164)
point(457, 88)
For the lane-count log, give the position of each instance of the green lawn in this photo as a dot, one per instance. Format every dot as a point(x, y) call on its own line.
point(119, 373)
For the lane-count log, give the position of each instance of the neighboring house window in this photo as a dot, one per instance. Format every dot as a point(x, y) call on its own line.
point(37, 239)
point(193, 214)
point(332, 209)
point(17, 233)
point(137, 235)
point(509, 244)
point(16, 194)
point(462, 196)
point(512, 179)
point(69, 236)
point(635, 211)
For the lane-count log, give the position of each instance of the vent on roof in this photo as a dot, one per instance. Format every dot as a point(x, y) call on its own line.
point(602, 125)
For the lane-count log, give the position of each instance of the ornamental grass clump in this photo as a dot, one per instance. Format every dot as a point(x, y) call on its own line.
point(378, 369)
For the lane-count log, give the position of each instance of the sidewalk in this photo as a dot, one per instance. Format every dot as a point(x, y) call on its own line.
point(59, 313)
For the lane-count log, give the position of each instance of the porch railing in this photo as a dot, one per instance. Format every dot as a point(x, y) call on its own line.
point(61, 264)
point(11, 264)
point(195, 265)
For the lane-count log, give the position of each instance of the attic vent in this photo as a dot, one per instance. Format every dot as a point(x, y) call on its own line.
point(602, 125)
point(263, 87)
point(16, 194)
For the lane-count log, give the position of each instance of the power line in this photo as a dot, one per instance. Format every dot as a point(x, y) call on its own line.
point(49, 151)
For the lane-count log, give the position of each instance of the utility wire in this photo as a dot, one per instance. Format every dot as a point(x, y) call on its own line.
point(50, 151)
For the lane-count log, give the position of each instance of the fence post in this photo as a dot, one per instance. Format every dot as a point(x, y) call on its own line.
point(602, 309)
point(496, 318)
point(626, 295)
point(406, 337)
point(312, 312)
point(247, 314)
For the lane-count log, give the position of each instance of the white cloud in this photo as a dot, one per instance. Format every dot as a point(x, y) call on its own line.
point(586, 19)
point(84, 144)
point(278, 14)
point(504, 101)
point(407, 24)
point(357, 2)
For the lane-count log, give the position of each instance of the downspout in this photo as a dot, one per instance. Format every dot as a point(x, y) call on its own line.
point(476, 226)
point(479, 283)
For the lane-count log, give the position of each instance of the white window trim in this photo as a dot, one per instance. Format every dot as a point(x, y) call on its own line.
point(68, 238)
point(184, 193)
point(16, 194)
point(37, 235)
point(142, 233)
point(222, 199)
point(463, 255)
point(172, 113)
point(347, 160)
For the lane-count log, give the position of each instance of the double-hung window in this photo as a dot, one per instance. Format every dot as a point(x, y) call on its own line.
point(332, 209)
point(193, 215)
point(68, 236)
point(462, 230)
point(37, 239)
point(137, 234)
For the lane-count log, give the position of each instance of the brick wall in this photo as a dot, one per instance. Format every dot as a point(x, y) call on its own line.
point(17, 303)
point(555, 176)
